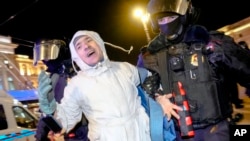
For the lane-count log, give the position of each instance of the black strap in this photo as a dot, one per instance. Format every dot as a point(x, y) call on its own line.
point(163, 64)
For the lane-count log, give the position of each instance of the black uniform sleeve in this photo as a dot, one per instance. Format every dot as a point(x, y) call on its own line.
point(233, 59)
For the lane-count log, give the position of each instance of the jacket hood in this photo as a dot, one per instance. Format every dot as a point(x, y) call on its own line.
point(75, 57)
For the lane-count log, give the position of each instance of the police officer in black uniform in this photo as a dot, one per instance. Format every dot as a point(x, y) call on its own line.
point(194, 65)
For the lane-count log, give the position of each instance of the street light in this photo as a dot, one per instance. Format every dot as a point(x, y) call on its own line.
point(139, 13)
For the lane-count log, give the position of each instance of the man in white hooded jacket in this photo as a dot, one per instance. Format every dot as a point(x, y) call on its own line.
point(105, 91)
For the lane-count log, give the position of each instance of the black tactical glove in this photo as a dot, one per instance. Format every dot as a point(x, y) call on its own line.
point(151, 85)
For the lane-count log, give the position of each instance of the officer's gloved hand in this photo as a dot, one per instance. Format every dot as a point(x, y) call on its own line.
point(151, 85)
point(46, 94)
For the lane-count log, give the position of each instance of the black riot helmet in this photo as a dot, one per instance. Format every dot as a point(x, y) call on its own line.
point(181, 11)
point(50, 49)
point(54, 53)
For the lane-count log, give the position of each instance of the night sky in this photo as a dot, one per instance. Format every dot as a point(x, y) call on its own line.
point(26, 21)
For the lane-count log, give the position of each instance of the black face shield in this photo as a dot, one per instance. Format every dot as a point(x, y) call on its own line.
point(172, 29)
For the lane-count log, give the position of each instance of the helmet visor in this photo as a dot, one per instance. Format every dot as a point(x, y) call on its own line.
point(47, 50)
point(173, 6)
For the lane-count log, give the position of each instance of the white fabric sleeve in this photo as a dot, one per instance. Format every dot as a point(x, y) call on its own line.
point(135, 75)
point(69, 112)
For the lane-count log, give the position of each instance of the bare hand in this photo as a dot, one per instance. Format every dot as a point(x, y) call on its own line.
point(168, 107)
point(56, 136)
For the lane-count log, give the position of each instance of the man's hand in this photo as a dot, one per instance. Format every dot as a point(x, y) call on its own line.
point(56, 136)
point(167, 106)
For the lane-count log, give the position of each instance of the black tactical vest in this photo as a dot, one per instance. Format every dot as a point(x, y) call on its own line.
point(190, 65)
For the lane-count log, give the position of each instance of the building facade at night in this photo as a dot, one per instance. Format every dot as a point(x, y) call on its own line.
point(240, 30)
point(16, 71)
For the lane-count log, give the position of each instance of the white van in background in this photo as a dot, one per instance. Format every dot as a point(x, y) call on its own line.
point(17, 123)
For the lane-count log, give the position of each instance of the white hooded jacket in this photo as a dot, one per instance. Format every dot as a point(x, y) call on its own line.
point(107, 94)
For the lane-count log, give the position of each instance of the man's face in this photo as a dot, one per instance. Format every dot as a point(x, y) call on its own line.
point(88, 50)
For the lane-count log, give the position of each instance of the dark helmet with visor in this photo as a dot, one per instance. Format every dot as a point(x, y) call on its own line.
point(181, 9)
point(49, 49)
point(55, 55)
point(173, 6)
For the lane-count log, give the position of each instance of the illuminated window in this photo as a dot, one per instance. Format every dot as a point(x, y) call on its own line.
point(11, 83)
